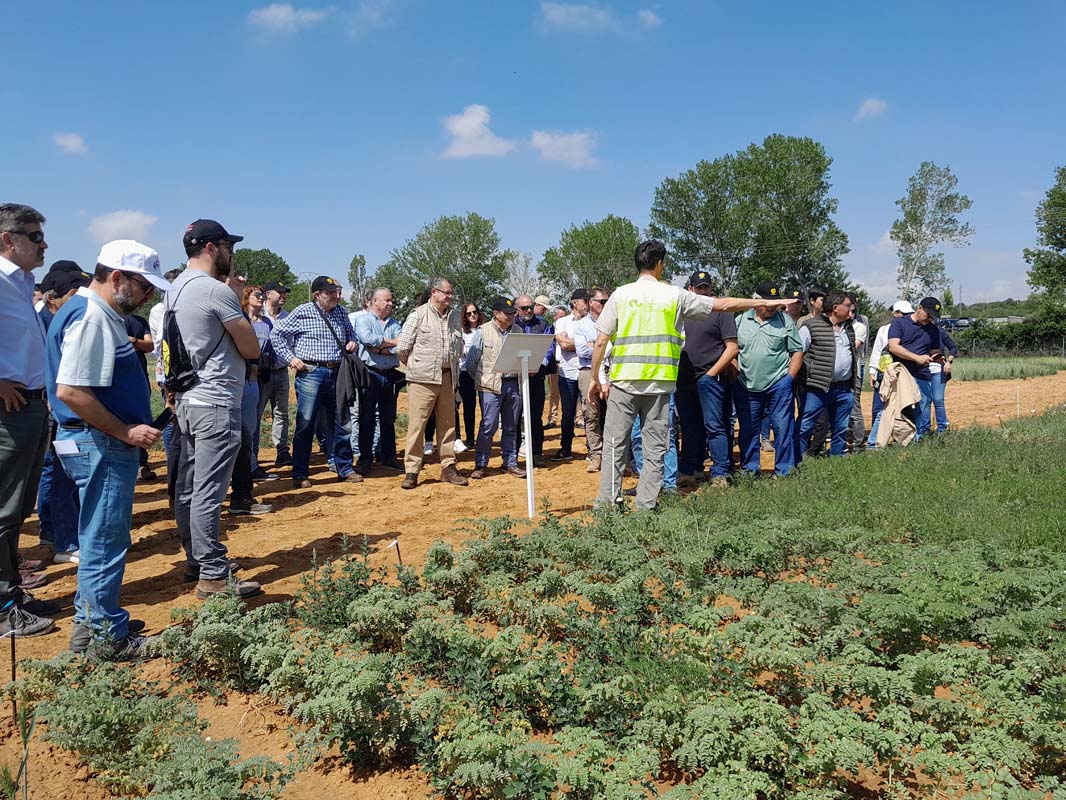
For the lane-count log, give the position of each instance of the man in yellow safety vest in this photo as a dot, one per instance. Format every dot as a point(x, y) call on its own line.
point(645, 321)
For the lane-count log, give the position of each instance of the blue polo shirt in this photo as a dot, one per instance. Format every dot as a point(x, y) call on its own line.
point(919, 339)
point(87, 345)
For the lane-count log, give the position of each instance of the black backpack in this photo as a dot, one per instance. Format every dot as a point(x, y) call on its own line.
point(179, 372)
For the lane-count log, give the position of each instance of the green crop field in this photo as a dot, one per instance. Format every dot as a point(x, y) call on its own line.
point(998, 369)
point(890, 625)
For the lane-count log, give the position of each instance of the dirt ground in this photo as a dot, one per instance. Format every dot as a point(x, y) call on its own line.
point(275, 549)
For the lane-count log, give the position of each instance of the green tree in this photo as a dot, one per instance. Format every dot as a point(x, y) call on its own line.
point(463, 249)
point(263, 266)
point(929, 216)
point(1047, 263)
point(597, 253)
point(762, 213)
point(358, 280)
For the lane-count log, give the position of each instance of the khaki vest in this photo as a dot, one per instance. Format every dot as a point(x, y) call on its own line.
point(492, 343)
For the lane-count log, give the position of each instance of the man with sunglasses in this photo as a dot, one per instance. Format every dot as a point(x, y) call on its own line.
point(528, 321)
point(100, 399)
point(24, 426)
point(219, 340)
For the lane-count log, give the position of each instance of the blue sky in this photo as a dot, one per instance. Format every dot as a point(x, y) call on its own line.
point(322, 129)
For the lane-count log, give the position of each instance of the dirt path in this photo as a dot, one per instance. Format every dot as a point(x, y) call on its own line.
point(275, 549)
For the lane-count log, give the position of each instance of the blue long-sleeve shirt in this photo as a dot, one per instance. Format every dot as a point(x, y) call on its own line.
point(371, 331)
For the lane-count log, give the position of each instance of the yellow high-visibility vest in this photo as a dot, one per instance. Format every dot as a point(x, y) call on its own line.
point(647, 344)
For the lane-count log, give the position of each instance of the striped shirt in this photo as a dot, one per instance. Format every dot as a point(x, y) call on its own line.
point(303, 334)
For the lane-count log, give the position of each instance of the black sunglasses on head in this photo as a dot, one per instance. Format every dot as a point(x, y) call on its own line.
point(34, 236)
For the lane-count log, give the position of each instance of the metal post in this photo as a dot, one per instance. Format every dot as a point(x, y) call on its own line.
point(527, 429)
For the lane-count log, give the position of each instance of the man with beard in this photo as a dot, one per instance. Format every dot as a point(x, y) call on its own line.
point(100, 398)
point(219, 339)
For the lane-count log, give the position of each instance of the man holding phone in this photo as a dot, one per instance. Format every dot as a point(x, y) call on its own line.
point(100, 399)
point(914, 340)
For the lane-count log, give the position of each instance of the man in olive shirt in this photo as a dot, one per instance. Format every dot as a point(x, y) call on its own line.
point(771, 355)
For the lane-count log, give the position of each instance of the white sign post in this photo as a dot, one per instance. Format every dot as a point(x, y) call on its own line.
point(522, 353)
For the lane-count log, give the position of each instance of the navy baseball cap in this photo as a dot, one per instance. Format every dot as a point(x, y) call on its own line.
point(701, 278)
point(207, 230)
point(505, 304)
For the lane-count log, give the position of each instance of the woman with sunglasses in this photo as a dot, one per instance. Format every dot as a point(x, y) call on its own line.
point(471, 321)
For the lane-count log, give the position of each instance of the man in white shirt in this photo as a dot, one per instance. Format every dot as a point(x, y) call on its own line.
point(570, 367)
point(24, 426)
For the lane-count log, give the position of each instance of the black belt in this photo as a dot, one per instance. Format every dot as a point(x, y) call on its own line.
point(75, 425)
point(33, 394)
point(845, 384)
point(327, 364)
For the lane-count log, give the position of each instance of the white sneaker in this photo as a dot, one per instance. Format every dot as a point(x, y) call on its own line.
point(522, 450)
point(428, 449)
point(460, 446)
point(66, 557)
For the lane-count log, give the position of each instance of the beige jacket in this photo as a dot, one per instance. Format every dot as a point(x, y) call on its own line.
point(430, 342)
point(899, 391)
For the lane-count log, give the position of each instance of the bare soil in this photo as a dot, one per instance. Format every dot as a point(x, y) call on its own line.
point(275, 549)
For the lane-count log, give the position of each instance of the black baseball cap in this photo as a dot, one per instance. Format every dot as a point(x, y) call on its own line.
point(701, 278)
point(579, 294)
point(207, 230)
point(64, 265)
point(931, 305)
point(276, 287)
point(768, 290)
point(324, 283)
point(501, 303)
point(62, 282)
point(793, 294)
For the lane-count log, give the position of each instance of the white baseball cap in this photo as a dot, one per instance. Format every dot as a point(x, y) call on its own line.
point(903, 307)
point(127, 255)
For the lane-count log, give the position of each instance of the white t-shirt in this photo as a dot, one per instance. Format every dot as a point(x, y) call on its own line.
point(155, 325)
point(569, 361)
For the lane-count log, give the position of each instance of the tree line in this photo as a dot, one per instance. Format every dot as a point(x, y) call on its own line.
point(766, 211)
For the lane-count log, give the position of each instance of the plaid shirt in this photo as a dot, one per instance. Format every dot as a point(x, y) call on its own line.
point(303, 334)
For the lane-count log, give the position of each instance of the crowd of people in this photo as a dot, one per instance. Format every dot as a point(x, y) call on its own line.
point(660, 378)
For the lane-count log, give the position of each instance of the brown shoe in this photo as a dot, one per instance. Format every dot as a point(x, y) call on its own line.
point(204, 589)
point(353, 477)
point(686, 481)
point(594, 464)
point(477, 474)
point(301, 483)
point(451, 475)
point(410, 481)
point(517, 471)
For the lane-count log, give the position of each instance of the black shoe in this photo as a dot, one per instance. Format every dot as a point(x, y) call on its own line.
point(192, 574)
point(364, 469)
point(561, 456)
point(283, 460)
point(392, 466)
point(82, 635)
point(21, 622)
point(147, 474)
point(132, 648)
point(262, 475)
point(244, 508)
point(39, 607)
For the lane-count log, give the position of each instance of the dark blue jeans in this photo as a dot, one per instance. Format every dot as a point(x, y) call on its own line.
point(925, 387)
point(58, 505)
point(878, 408)
point(378, 402)
point(315, 392)
point(705, 410)
point(752, 407)
point(838, 400)
point(568, 396)
point(498, 410)
point(936, 386)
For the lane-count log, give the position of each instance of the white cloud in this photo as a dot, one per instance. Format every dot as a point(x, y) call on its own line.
point(123, 224)
point(284, 18)
point(649, 18)
point(573, 148)
point(884, 246)
point(471, 135)
point(577, 16)
point(371, 14)
point(871, 107)
point(71, 143)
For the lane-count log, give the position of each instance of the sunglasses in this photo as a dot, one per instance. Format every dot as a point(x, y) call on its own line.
point(598, 300)
point(145, 286)
point(34, 236)
point(258, 295)
point(525, 308)
point(472, 313)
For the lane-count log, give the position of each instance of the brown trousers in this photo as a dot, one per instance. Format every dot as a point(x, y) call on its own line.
point(423, 400)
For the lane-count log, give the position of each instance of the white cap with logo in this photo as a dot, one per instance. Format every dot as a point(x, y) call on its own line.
point(903, 307)
point(126, 255)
